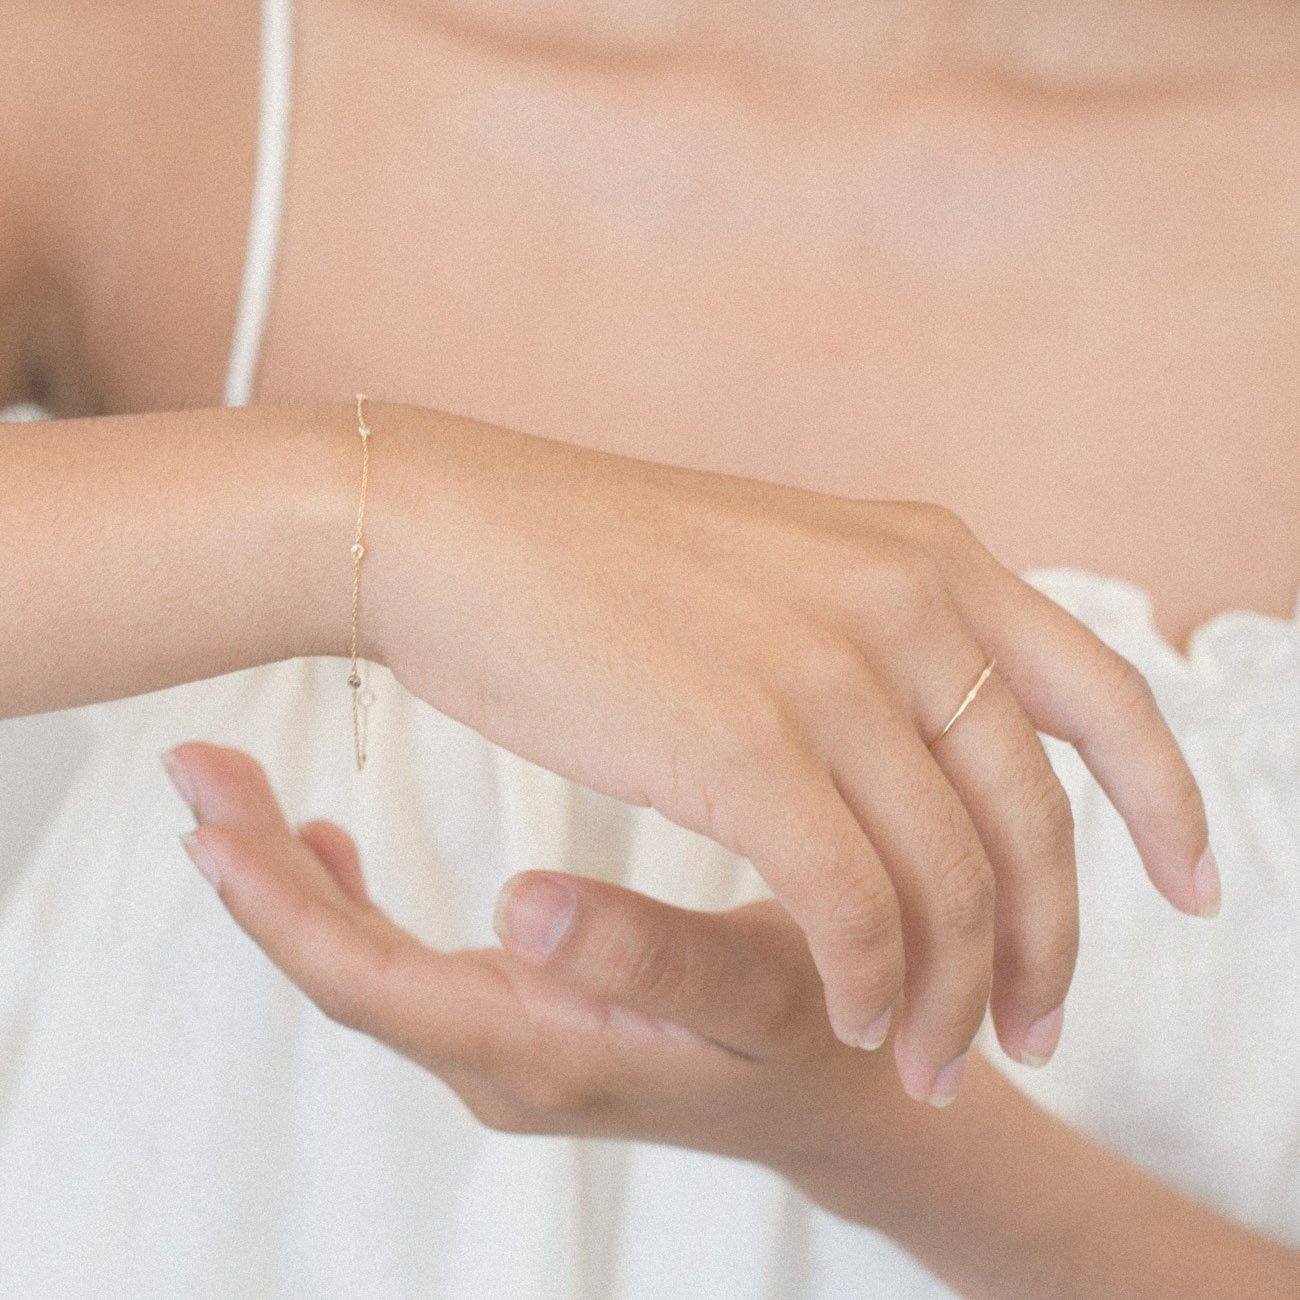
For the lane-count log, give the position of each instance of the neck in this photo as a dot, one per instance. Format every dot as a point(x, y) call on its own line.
point(839, 52)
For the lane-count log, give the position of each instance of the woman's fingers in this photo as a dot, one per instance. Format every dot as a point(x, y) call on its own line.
point(286, 901)
point(994, 760)
point(311, 920)
point(338, 851)
point(806, 843)
point(996, 763)
point(945, 883)
point(732, 977)
point(1077, 688)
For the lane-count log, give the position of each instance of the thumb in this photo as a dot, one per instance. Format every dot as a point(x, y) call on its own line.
point(737, 977)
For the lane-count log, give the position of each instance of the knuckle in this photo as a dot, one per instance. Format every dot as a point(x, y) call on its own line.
point(765, 728)
point(753, 728)
point(640, 964)
point(1129, 689)
point(863, 913)
point(828, 661)
point(1058, 950)
point(905, 587)
point(944, 527)
point(958, 1021)
point(957, 1027)
point(1047, 965)
point(1043, 947)
point(1050, 819)
point(966, 891)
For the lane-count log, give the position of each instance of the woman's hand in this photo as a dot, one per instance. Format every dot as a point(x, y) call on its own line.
point(611, 1015)
point(767, 666)
point(642, 1020)
point(761, 664)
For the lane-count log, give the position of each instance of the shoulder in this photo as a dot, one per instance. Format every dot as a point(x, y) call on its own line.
point(103, 105)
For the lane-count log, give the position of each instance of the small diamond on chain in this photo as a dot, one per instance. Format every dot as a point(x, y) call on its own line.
point(357, 550)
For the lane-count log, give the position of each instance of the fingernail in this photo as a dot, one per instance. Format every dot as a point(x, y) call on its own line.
point(1041, 1040)
point(944, 1088)
point(180, 778)
point(1208, 888)
point(876, 1032)
point(201, 858)
point(534, 914)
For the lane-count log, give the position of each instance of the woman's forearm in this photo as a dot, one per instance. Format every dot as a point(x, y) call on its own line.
point(1000, 1198)
point(141, 551)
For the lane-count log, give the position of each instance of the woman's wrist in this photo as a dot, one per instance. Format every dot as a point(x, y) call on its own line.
point(149, 550)
point(417, 518)
point(998, 1197)
point(311, 493)
point(990, 1194)
point(449, 504)
point(273, 492)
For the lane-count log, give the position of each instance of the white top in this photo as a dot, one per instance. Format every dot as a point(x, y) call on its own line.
point(176, 1119)
point(276, 97)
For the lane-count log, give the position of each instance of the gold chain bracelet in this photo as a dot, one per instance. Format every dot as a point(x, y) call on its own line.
point(362, 696)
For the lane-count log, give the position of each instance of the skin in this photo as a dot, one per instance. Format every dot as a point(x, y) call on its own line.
point(1129, 216)
point(608, 1014)
point(642, 619)
point(814, 311)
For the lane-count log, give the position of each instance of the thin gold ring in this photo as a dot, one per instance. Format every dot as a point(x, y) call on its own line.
point(965, 704)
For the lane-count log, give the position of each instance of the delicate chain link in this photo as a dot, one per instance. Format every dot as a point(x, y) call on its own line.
point(362, 699)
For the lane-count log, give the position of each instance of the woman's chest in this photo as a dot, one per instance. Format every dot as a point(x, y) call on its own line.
point(1076, 328)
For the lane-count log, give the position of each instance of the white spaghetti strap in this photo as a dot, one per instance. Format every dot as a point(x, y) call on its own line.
point(276, 95)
